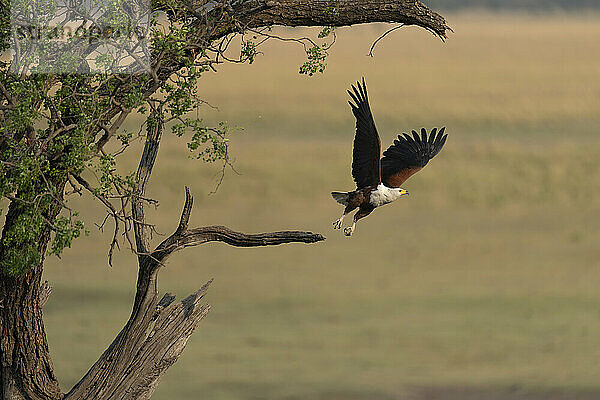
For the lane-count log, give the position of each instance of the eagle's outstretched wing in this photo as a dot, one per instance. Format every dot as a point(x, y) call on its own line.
point(367, 147)
point(409, 154)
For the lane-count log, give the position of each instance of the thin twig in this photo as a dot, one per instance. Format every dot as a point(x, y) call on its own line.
point(381, 37)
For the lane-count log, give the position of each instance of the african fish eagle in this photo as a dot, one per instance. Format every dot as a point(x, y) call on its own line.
point(378, 180)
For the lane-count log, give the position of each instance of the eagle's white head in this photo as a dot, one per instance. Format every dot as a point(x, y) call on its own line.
point(384, 195)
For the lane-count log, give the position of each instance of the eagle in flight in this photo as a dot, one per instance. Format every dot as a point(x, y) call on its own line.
point(378, 180)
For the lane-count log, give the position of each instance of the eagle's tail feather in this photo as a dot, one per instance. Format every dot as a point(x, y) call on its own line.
point(341, 197)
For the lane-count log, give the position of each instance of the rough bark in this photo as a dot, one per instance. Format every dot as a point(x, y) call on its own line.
point(26, 370)
point(348, 12)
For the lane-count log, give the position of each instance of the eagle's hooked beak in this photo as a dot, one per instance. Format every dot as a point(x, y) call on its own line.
point(404, 192)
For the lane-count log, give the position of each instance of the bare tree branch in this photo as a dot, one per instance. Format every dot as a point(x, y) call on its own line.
point(183, 237)
point(348, 12)
point(198, 236)
point(381, 37)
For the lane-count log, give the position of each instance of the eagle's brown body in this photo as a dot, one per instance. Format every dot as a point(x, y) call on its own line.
point(360, 199)
point(378, 180)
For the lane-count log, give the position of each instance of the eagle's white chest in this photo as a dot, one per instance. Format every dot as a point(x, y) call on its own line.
point(384, 195)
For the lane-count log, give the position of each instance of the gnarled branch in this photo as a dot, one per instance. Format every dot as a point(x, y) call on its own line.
point(197, 236)
point(184, 237)
point(349, 12)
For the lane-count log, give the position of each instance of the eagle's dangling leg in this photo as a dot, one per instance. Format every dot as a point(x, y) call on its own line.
point(362, 212)
point(337, 224)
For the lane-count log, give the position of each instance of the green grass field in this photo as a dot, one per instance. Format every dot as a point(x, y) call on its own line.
point(483, 283)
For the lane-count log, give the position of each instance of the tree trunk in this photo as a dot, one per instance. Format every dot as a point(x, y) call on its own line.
point(26, 370)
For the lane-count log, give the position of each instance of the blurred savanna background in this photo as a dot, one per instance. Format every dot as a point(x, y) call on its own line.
point(483, 284)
